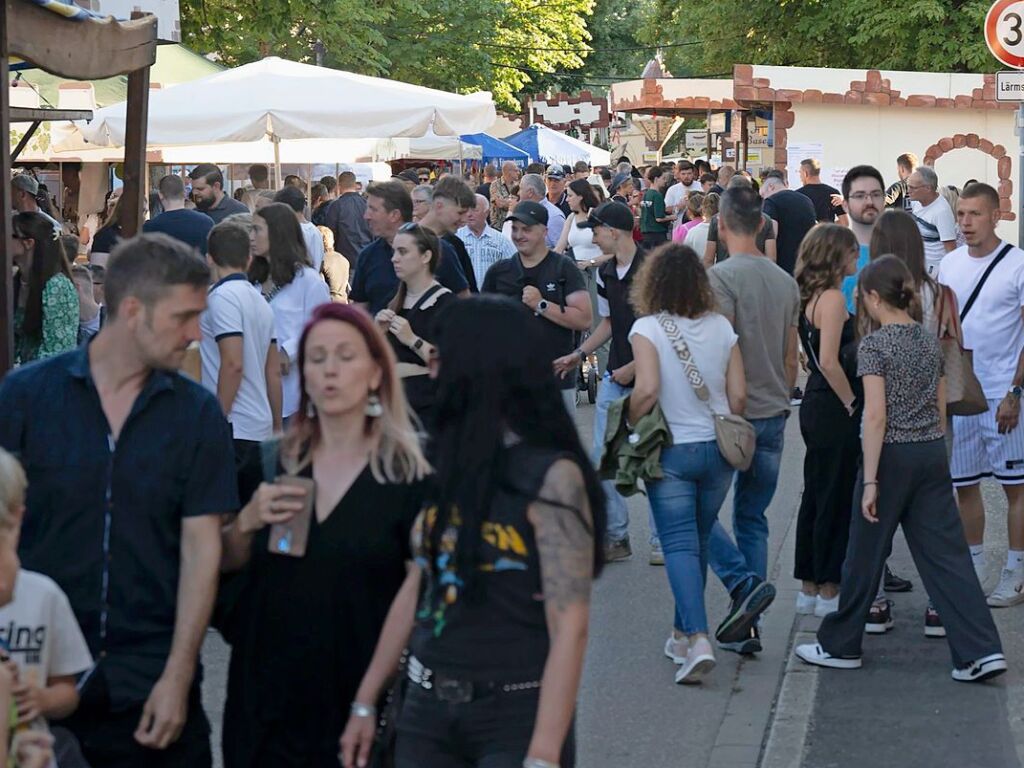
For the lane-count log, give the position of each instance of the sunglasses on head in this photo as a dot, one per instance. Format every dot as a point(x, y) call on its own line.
point(409, 226)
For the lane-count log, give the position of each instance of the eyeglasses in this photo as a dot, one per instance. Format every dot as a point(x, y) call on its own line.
point(409, 226)
point(861, 197)
point(424, 179)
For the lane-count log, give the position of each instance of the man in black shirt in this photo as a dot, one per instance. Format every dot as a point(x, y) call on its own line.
point(792, 213)
point(898, 196)
point(490, 176)
point(548, 283)
point(191, 227)
point(821, 195)
point(452, 198)
point(612, 223)
point(555, 181)
point(346, 218)
point(208, 193)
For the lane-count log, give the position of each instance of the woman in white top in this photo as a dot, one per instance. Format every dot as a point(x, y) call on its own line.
point(582, 200)
point(697, 238)
point(672, 292)
point(280, 265)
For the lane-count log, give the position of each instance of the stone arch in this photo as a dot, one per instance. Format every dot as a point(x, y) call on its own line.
point(1004, 165)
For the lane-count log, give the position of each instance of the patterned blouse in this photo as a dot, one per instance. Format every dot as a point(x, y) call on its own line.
point(60, 322)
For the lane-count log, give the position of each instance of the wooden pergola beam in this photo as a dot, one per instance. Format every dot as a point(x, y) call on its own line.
point(81, 50)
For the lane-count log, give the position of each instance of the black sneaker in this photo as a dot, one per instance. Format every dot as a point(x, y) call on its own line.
point(932, 623)
point(746, 647)
point(879, 618)
point(749, 602)
point(796, 396)
point(615, 551)
point(894, 583)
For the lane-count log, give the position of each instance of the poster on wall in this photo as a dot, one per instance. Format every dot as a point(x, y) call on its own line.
point(800, 152)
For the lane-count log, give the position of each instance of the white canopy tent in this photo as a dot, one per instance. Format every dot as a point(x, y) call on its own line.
point(274, 100)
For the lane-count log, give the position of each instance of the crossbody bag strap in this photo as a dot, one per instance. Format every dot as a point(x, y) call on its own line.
point(981, 283)
point(693, 375)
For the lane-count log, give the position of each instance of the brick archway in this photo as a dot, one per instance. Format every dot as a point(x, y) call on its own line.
point(1004, 165)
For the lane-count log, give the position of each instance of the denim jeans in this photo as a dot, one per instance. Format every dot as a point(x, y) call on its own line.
point(685, 506)
point(618, 514)
point(735, 563)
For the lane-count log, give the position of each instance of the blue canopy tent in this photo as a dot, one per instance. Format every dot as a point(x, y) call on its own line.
point(497, 151)
point(549, 146)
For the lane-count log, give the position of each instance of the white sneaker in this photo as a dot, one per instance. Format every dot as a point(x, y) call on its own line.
point(981, 669)
point(823, 607)
point(699, 661)
point(676, 648)
point(1010, 590)
point(813, 653)
point(805, 604)
point(979, 569)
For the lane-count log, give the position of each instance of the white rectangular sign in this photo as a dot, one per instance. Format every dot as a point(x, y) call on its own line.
point(1010, 86)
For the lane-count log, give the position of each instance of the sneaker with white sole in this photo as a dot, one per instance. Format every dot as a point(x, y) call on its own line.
point(824, 606)
point(812, 653)
point(879, 617)
point(932, 623)
point(699, 661)
point(676, 648)
point(1010, 590)
point(748, 646)
point(805, 604)
point(981, 669)
point(657, 556)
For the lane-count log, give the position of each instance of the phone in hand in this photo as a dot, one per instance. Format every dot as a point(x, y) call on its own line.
point(291, 538)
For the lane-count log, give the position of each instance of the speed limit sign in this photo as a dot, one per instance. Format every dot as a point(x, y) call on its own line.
point(1004, 32)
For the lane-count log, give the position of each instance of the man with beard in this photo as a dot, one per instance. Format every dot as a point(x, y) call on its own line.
point(863, 201)
point(208, 193)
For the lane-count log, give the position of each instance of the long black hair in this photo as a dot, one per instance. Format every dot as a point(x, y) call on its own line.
point(492, 383)
point(287, 253)
point(47, 260)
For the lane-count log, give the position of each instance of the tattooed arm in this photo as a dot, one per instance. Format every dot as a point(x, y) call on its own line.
point(562, 523)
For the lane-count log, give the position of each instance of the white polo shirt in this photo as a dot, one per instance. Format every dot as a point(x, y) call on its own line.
point(235, 307)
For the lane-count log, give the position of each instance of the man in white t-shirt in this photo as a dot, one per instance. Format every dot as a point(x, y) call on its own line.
point(678, 194)
point(934, 217)
point(990, 444)
point(239, 351)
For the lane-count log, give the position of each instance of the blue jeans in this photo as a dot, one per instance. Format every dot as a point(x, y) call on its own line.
point(685, 506)
point(618, 514)
point(735, 563)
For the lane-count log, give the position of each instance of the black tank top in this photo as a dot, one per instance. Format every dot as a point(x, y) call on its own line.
point(501, 633)
point(810, 337)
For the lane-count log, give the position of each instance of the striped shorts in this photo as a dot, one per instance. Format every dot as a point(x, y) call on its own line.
point(979, 450)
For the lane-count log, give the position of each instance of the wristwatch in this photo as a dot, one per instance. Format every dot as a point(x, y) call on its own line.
point(1015, 392)
point(542, 307)
point(418, 344)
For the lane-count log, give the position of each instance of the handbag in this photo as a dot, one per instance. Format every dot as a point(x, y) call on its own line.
point(964, 395)
point(736, 436)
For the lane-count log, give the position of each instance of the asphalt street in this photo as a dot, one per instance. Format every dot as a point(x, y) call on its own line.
point(900, 711)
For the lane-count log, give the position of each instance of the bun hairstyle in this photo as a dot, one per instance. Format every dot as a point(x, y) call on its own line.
point(890, 278)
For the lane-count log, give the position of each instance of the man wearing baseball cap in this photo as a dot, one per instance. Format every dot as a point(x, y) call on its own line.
point(24, 189)
point(548, 283)
point(555, 180)
point(612, 223)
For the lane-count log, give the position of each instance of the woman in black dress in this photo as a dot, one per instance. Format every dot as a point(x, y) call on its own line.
point(307, 626)
point(504, 562)
point(829, 415)
point(409, 319)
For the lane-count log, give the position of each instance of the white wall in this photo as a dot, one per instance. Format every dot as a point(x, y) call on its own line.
point(853, 134)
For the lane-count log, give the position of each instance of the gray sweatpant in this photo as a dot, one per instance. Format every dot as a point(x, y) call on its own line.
point(915, 491)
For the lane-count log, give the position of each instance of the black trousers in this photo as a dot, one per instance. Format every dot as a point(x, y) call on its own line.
point(653, 239)
point(830, 469)
point(915, 490)
point(493, 731)
point(107, 736)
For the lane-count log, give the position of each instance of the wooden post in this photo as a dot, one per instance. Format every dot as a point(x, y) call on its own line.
point(6, 280)
point(709, 138)
point(137, 114)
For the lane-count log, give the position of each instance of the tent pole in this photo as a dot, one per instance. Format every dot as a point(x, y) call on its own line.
point(277, 161)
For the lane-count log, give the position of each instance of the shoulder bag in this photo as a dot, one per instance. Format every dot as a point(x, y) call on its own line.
point(736, 436)
point(964, 394)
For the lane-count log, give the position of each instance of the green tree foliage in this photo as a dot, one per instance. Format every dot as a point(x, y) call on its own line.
point(456, 45)
point(926, 35)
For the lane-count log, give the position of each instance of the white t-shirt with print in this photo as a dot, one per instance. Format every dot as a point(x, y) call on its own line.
point(40, 631)
point(710, 339)
point(937, 225)
point(993, 328)
point(678, 193)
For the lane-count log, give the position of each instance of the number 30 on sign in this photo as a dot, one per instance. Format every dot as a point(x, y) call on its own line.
point(1004, 32)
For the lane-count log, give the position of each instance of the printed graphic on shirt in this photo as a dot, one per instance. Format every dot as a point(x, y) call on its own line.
point(24, 643)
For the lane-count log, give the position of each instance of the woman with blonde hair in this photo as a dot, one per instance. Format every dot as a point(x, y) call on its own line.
point(307, 625)
point(829, 415)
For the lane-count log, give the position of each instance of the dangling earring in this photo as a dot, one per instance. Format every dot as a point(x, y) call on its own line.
point(310, 410)
point(373, 407)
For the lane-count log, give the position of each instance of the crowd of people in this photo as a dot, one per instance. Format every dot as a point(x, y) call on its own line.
point(374, 488)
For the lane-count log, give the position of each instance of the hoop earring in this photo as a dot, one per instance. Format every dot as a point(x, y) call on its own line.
point(373, 407)
point(310, 410)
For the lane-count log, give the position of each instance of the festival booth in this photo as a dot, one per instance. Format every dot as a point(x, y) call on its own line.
point(495, 151)
point(547, 146)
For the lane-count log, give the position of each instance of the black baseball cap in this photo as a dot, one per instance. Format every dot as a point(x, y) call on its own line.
point(612, 214)
point(530, 213)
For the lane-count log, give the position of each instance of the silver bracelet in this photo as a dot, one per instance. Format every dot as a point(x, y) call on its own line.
point(536, 762)
point(362, 710)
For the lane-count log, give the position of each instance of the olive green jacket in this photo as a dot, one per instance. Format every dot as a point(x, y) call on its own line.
point(633, 454)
